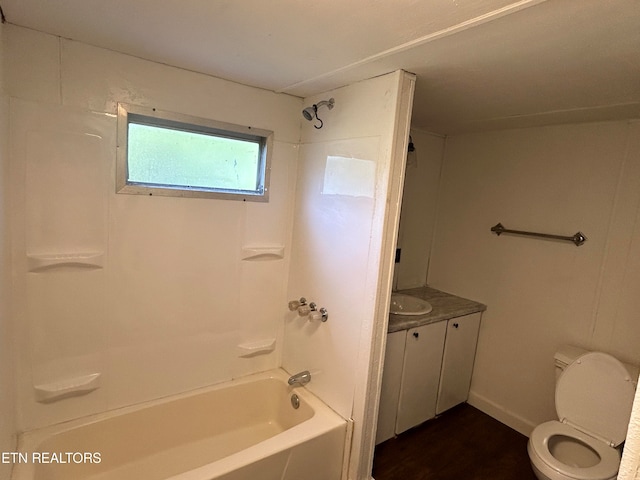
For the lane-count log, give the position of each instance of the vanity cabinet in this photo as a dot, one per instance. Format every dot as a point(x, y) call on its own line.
point(390, 389)
point(420, 375)
point(427, 370)
point(457, 361)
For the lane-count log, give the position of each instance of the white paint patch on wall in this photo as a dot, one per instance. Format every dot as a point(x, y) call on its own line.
point(349, 176)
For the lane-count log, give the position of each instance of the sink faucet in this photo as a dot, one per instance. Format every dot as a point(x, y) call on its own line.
point(301, 378)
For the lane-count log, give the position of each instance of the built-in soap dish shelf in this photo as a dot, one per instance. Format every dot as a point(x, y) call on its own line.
point(262, 253)
point(258, 347)
point(70, 387)
point(42, 262)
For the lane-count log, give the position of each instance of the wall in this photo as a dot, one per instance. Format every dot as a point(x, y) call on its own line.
point(172, 301)
point(630, 464)
point(418, 217)
point(541, 294)
point(7, 411)
point(348, 195)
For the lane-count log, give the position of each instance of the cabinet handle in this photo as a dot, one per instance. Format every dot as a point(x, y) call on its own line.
point(455, 325)
point(416, 334)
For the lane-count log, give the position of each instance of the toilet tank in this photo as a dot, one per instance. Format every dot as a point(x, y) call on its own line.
point(566, 354)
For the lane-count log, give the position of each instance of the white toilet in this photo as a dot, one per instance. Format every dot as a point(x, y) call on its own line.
point(594, 395)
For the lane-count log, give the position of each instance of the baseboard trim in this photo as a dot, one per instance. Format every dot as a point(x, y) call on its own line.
point(500, 413)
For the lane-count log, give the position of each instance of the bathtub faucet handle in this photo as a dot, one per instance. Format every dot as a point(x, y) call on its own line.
point(295, 304)
point(301, 378)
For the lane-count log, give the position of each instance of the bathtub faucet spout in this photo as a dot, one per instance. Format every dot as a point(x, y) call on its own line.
point(301, 378)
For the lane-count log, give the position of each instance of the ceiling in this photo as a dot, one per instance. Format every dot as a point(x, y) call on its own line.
point(481, 64)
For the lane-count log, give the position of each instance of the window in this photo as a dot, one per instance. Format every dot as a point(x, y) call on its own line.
point(162, 153)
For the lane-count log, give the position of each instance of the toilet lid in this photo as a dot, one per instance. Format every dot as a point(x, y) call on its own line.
point(595, 394)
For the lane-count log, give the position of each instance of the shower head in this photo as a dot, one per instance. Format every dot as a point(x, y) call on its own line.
point(312, 112)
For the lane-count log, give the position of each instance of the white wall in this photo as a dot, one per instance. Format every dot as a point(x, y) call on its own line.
point(541, 294)
point(630, 464)
point(418, 217)
point(173, 300)
point(7, 411)
point(344, 192)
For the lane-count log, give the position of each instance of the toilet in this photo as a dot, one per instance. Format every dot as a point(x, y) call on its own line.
point(594, 396)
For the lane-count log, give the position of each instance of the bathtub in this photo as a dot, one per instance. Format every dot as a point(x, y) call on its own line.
point(246, 429)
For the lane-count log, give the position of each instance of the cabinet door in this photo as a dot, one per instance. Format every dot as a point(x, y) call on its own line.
point(420, 375)
point(457, 361)
point(390, 390)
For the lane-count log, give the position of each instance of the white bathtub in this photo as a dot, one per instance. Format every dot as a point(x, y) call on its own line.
point(246, 429)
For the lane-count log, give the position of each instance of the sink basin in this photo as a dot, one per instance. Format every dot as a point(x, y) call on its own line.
point(407, 305)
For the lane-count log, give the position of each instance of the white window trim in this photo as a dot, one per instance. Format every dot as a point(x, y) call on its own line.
point(201, 125)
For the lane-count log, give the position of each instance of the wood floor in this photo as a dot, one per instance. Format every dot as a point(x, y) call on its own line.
point(461, 444)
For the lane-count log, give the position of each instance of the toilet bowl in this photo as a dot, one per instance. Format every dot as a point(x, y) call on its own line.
point(594, 396)
point(559, 451)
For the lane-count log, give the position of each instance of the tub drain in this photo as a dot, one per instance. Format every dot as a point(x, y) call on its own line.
point(295, 401)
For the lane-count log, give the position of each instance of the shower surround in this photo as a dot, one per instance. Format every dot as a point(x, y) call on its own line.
point(167, 304)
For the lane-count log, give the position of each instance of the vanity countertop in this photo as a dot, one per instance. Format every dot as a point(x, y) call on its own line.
point(445, 306)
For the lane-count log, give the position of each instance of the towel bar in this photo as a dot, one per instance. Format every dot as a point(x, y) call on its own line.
point(578, 239)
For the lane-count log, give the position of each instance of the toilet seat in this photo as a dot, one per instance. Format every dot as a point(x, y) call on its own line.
point(594, 396)
point(606, 469)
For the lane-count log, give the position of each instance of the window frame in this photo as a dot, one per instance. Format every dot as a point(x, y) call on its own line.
point(128, 113)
